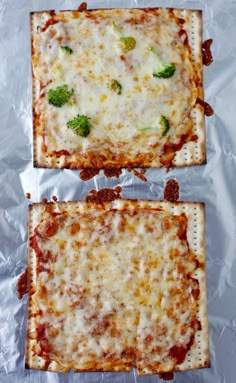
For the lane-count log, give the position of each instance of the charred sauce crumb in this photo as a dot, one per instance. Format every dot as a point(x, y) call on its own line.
point(82, 7)
point(44, 200)
point(138, 174)
point(166, 375)
point(104, 195)
point(206, 52)
point(208, 110)
point(28, 195)
point(54, 198)
point(171, 191)
point(87, 174)
point(22, 286)
point(112, 172)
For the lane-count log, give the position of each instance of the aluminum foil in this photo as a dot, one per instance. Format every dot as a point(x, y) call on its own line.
point(213, 184)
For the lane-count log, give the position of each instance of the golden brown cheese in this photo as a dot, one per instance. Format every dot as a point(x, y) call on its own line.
point(112, 287)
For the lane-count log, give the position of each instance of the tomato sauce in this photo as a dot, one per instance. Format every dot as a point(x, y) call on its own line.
point(208, 110)
point(207, 57)
point(138, 174)
point(171, 191)
point(112, 172)
point(87, 174)
point(22, 286)
point(104, 195)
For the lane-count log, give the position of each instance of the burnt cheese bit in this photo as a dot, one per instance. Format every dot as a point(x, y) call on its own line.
point(104, 195)
point(22, 286)
point(138, 174)
point(87, 174)
point(171, 191)
point(112, 172)
point(207, 57)
point(166, 376)
point(208, 110)
point(82, 7)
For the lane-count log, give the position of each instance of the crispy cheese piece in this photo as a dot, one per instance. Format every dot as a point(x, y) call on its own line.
point(112, 288)
point(83, 51)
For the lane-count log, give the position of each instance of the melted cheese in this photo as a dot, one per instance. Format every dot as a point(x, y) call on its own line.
point(96, 59)
point(113, 289)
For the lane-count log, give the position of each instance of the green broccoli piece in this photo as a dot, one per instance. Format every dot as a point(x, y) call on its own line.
point(67, 50)
point(60, 95)
point(164, 124)
point(127, 43)
point(80, 125)
point(115, 86)
point(165, 70)
point(116, 28)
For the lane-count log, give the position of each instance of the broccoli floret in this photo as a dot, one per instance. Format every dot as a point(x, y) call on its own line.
point(165, 70)
point(164, 124)
point(127, 43)
point(115, 28)
point(80, 125)
point(67, 50)
point(60, 95)
point(115, 86)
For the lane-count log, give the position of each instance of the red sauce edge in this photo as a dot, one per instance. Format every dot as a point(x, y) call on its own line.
point(138, 174)
point(182, 32)
point(104, 195)
point(82, 7)
point(62, 152)
point(48, 23)
point(207, 56)
point(166, 376)
point(22, 286)
point(171, 191)
point(208, 110)
point(42, 340)
point(112, 172)
point(87, 174)
point(179, 352)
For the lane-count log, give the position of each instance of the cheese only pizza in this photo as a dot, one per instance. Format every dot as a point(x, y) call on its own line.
point(117, 88)
point(117, 285)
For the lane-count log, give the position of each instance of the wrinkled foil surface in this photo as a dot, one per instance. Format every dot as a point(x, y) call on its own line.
point(213, 184)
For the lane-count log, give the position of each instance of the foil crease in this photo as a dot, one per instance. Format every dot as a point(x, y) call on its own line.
point(213, 184)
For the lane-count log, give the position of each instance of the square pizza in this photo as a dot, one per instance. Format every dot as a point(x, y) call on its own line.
point(117, 88)
point(117, 285)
